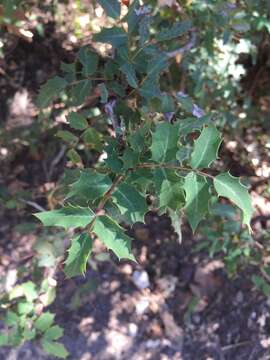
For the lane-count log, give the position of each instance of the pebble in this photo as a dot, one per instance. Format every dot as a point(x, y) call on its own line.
point(141, 306)
point(132, 329)
point(141, 279)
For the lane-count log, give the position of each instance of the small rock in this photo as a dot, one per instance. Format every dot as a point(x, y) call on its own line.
point(152, 344)
point(141, 279)
point(141, 306)
point(132, 329)
point(196, 319)
point(239, 297)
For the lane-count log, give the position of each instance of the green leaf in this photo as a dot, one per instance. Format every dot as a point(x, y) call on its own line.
point(80, 91)
point(89, 60)
point(29, 334)
point(25, 307)
point(129, 71)
point(53, 333)
point(91, 185)
point(115, 36)
point(156, 65)
point(50, 90)
point(78, 255)
point(164, 142)
point(111, 7)
point(44, 321)
point(190, 125)
point(74, 156)
point(93, 139)
point(130, 202)
point(67, 217)
point(171, 195)
point(177, 30)
point(113, 237)
point(197, 198)
point(230, 187)
point(77, 121)
point(54, 348)
point(29, 290)
point(4, 340)
point(67, 136)
point(104, 94)
point(206, 147)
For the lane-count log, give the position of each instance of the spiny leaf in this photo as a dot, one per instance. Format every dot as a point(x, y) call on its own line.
point(104, 94)
point(189, 125)
point(89, 60)
point(67, 217)
point(77, 121)
point(164, 142)
point(176, 30)
point(129, 71)
point(111, 7)
point(91, 185)
point(206, 147)
point(130, 202)
point(197, 198)
point(171, 195)
point(53, 333)
point(78, 255)
point(50, 90)
point(54, 348)
point(80, 91)
point(230, 187)
point(44, 321)
point(114, 36)
point(113, 237)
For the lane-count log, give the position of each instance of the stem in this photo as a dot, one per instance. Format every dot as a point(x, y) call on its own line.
point(173, 167)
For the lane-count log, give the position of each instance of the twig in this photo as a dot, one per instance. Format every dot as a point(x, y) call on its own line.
point(56, 160)
point(173, 167)
point(33, 204)
point(233, 346)
point(182, 50)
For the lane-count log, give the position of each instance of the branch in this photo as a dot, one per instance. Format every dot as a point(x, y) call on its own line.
point(187, 47)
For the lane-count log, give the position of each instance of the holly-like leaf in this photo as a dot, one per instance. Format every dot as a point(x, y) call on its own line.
point(78, 255)
point(231, 188)
point(189, 125)
point(67, 217)
point(197, 198)
point(77, 121)
point(164, 142)
point(89, 60)
point(67, 136)
point(74, 156)
point(129, 71)
point(171, 195)
point(80, 91)
point(113, 237)
point(54, 348)
point(111, 7)
point(50, 90)
point(206, 147)
point(130, 202)
point(177, 30)
point(44, 321)
point(91, 185)
point(115, 36)
point(53, 333)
